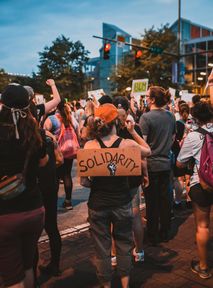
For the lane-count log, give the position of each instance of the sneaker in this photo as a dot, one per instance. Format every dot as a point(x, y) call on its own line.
point(113, 261)
point(67, 205)
point(139, 256)
point(202, 273)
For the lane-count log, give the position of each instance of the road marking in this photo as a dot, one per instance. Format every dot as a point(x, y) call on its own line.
point(73, 230)
point(67, 232)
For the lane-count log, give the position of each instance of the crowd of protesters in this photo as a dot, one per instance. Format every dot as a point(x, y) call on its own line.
point(170, 138)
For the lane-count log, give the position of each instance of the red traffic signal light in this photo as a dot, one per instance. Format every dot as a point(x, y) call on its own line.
point(107, 47)
point(138, 55)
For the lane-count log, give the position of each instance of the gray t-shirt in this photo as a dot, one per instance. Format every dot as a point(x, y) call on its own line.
point(159, 127)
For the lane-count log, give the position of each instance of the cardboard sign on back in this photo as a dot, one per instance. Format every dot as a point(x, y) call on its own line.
point(109, 162)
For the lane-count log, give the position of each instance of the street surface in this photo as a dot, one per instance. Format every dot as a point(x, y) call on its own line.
point(165, 266)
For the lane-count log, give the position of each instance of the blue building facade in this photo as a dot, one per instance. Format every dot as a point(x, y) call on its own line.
point(194, 69)
point(117, 52)
point(98, 69)
point(195, 39)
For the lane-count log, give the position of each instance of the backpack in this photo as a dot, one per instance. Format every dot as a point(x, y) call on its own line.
point(205, 171)
point(68, 141)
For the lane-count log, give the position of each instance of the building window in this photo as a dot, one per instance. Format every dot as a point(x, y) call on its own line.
point(195, 32)
point(205, 33)
point(201, 58)
point(189, 48)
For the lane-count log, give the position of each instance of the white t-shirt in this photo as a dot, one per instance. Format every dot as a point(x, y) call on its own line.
point(192, 149)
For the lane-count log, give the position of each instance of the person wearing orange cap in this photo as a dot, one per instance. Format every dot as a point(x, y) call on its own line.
point(110, 200)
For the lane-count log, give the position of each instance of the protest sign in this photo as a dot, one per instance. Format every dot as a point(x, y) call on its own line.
point(97, 94)
point(187, 97)
point(139, 87)
point(109, 162)
point(172, 92)
point(39, 99)
point(183, 92)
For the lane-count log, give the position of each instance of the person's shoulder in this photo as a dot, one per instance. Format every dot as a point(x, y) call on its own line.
point(127, 143)
point(91, 144)
point(146, 115)
point(195, 136)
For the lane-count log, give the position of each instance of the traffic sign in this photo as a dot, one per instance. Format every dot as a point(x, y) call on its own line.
point(156, 50)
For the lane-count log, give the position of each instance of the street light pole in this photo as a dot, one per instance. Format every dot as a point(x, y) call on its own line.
point(179, 40)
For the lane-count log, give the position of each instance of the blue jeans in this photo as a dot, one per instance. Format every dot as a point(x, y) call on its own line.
point(100, 227)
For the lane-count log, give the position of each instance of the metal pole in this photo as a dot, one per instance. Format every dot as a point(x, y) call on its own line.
point(178, 40)
point(133, 45)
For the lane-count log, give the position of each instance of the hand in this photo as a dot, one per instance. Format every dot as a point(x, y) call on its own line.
point(145, 181)
point(50, 82)
point(130, 125)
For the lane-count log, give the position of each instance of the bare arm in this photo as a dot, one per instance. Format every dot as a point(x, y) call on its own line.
point(131, 128)
point(56, 97)
point(146, 151)
point(48, 124)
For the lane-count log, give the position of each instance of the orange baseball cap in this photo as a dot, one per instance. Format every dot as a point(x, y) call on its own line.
point(106, 112)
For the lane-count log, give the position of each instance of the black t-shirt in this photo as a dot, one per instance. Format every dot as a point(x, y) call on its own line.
point(124, 133)
point(37, 111)
point(12, 155)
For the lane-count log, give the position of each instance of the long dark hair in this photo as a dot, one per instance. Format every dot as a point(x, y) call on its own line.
point(65, 113)
point(28, 130)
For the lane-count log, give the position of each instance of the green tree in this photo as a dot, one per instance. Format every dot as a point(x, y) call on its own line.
point(4, 79)
point(64, 62)
point(156, 67)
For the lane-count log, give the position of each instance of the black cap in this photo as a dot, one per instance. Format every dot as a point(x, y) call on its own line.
point(105, 99)
point(15, 96)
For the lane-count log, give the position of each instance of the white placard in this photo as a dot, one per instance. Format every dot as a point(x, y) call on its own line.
point(139, 87)
point(138, 99)
point(172, 92)
point(96, 93)
point(39, 99)
point(183, 92)
point(187, 97)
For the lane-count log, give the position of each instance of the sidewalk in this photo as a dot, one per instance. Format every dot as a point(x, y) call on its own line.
point(165, 266)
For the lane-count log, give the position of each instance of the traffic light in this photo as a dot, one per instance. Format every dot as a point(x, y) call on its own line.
point(156, 49)
point(107, 47)
point(138, 55)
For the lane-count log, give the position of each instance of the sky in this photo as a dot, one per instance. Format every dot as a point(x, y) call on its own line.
point(27, 26)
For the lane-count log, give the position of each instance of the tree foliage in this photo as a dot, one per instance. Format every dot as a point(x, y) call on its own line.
point(156, 67)
point(63, 61)
point(4, 79)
